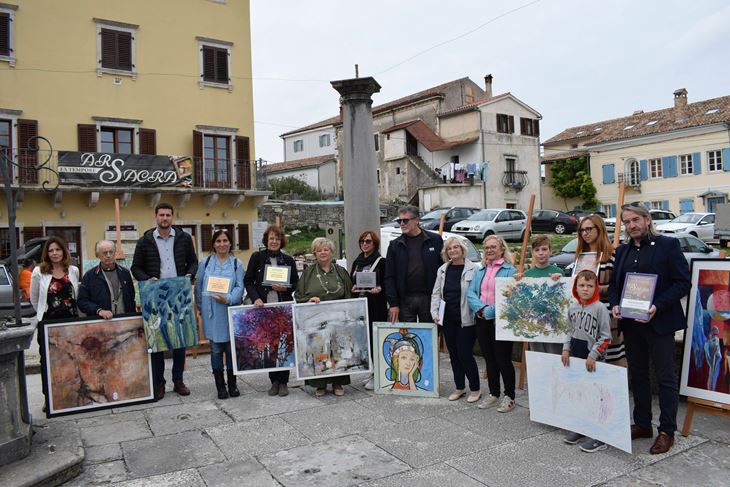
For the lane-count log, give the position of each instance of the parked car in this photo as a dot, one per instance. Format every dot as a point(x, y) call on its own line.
point(657, 217)
point(553, 221)
point(7, 306)
point(701, 225)
point(581, 213)
point(431, 220)
point(692, 248)
point(388, 234)
point(507, 223)
point(722, 224)
point(29, 250)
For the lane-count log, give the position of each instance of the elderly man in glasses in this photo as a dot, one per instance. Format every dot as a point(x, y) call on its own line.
point(410, 272)
point(107, 289)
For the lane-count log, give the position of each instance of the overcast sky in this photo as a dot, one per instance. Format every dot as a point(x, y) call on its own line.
point(574, 61)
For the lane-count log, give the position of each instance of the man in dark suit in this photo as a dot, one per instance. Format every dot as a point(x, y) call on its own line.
point(106, 290)
point(649, 253)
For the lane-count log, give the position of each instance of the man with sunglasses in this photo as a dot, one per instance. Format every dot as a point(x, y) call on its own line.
point(410, 272)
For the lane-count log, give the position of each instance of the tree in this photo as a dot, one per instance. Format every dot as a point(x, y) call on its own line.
point(571, 179)
point(293, 188)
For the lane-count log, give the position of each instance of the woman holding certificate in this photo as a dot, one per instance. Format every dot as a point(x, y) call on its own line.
point(219, 284)
point(593, 237)
point(368, 273)
point(324, 281)
point(271, 277)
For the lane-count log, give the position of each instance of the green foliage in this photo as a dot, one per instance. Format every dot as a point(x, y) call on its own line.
point(293, 188)
point(571, 179)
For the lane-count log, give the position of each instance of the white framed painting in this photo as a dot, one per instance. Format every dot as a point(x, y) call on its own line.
point(262, 338)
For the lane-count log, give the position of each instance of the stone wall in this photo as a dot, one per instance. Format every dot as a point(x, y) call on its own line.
point(304, 214)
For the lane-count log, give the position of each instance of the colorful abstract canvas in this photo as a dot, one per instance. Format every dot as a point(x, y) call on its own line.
point(167, 310)
point(594, 404)
point(533, 309)
point(331, 338)
point(706, 360)
point(262, 338)
point(94, 364)
point(405, 359)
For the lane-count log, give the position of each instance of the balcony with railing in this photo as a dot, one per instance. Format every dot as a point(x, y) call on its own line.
point(631, 179)
point(515, 179)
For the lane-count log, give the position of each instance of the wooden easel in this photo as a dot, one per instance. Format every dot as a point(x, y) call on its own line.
point(703, 406)
point(203, 345)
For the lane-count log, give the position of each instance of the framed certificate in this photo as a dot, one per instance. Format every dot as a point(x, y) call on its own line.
point(637, 296)
point(217, 285)
point(275, 274)
point(365, 280)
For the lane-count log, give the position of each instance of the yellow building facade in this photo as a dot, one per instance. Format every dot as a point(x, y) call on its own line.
point(142, 102)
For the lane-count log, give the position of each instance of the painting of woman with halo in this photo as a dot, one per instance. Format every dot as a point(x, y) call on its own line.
point(406, 362)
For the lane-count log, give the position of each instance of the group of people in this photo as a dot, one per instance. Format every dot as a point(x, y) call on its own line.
point(421, 278)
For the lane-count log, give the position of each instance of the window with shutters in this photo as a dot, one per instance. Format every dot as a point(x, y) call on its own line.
point(686, 167)
point(7, 33)
point(376, 139)
point(115, 140)
point(505, 123)
point(324, 140)
point(655, 168)
point(206, 235)
point(115, 48)
point(298, 145)
point(530, 127)
point(6, 139)
point(714, 160)
point(215, 63)
point(216, 161)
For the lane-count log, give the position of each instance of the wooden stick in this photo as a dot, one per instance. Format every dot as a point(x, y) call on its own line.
point(523, 255)
point(620, 203)
point(277, 221)
point(118, 220)
point(442, 222)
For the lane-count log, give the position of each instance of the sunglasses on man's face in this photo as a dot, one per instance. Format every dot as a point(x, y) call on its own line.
point(403, 221)
point(366, 241)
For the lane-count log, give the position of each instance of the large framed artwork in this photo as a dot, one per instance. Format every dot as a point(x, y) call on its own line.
point(94, 364)
point(595, 404)
point(331, 338)
point(533, 309)
point(167, 310)
point(706, 359)
point(405, 359)
point(262, 338)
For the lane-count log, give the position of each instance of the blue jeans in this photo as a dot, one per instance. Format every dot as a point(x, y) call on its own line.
point(217, 349)
point(158, 366)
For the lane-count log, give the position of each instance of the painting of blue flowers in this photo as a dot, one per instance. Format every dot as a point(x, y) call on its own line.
point(167, 311)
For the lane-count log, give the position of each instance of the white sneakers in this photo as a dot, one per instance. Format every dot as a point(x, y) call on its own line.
point(489, 402)
point(506, 405)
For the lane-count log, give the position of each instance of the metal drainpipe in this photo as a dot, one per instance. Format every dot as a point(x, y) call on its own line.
point(484, 158)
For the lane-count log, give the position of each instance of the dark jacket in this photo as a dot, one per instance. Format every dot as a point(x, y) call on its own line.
point(663, 257)
point(396, 268)
point(254, 277)
point(377, 305)
point(146, 262)
point(94, 292)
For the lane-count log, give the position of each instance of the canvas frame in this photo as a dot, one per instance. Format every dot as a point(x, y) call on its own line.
point(185, 326)
point(232, 310)
point(323, 306)
point(380, 364)
point(685, 389)
point(81, 324)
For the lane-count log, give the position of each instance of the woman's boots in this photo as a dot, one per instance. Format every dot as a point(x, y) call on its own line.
point(232, 389)
point(220, 384)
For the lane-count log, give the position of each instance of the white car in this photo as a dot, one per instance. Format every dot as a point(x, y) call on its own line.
point(507, 223)
point(701, 225)
point(388, 234)
point(657, 218)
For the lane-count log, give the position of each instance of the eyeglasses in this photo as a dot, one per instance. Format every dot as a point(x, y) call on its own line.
point(403, 221)
point(587, 229)
point(106, 252)
point(366, 240)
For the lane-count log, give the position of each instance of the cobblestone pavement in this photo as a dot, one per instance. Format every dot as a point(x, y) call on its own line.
point(360, 439)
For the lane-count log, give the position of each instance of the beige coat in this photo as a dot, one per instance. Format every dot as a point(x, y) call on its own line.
point(467, 318)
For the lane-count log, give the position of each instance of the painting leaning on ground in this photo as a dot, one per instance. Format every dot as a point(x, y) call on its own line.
point(167, 310)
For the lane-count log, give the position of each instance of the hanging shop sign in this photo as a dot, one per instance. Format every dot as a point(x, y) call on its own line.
point(126, 170)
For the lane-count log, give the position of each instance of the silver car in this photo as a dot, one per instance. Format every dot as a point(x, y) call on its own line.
point(505, 222)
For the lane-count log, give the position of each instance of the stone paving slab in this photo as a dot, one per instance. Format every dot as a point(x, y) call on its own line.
point(425, 441)
point(107, 419)
point(402, 409)
point(706, 465)
point(260, 405)
point(336, 463)
point(170, 399)
point(182, 478)
point(439, 475)
point(115, 432)
point(256, 437)
point(334, 421)
point(103, 453)
point(237, 473)
point(184, 417)
point(104, 473)
point(152, 456)
point(351, 394)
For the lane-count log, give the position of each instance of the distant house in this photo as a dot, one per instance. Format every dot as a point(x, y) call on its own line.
point(451, 144)
point(675, 158)
point(319, 172)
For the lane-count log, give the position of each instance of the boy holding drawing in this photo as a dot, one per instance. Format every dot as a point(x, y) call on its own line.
point(588, 338)
point(541, 267)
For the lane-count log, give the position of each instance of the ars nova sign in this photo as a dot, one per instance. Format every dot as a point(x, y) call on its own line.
point(125, 170)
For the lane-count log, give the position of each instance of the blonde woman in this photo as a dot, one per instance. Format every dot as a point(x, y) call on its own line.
point(452, 282)
point(497, 262)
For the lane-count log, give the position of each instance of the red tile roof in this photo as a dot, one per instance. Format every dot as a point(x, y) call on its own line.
point(426, 136)
point(640, 123)
point(300, 163)
point(559, 156)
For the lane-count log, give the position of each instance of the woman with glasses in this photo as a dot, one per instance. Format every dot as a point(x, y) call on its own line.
point(497, 262)
point(260, 293)
point(593, 237)
point(324, 281)
point(370, 260)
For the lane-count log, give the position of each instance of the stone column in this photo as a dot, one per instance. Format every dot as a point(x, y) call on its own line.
point(359, 161)
point(14, 416)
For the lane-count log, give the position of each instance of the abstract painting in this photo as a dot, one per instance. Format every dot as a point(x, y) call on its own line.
point(533, 309)
point(262, 338)
point(331, 338)
point(95, 363)
point(595, 404)
point(405, 361)
point(167, 310)
point(706, 360)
